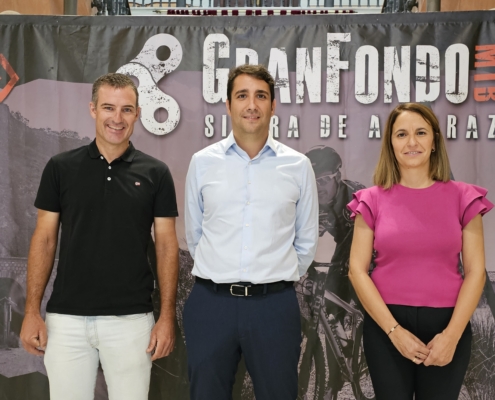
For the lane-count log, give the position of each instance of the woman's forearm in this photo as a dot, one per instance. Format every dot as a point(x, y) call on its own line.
point(359, 262)
point(473, 257)
point(466, 304)
point(372, 300)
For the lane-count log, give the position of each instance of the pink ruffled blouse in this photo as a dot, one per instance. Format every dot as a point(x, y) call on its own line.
point(418, 238)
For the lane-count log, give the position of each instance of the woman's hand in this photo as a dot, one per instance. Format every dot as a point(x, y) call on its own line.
point(409, 345)
point(442, 348)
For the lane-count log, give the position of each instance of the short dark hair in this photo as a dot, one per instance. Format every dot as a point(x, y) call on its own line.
point(115, 80)
point(256, 71)
point(387, 171)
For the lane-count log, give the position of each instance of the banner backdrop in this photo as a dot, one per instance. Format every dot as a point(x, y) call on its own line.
point(337, 78)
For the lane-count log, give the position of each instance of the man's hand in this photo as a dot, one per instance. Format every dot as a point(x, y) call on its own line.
point(39, 267)
point(162, 339)
point(409, 345)
point(442, 348)
point(33, 334)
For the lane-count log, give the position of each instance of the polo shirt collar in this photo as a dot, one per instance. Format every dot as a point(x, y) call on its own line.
point(93, 150)
point(128, 155)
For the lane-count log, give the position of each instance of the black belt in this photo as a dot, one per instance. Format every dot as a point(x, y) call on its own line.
point(244, 289)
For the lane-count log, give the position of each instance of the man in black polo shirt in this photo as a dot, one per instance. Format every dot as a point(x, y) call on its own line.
point(106, 197)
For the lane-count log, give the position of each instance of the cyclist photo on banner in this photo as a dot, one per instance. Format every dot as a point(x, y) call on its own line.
point(332, 359)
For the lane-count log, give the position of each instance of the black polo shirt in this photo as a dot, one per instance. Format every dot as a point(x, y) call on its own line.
point(106, 213)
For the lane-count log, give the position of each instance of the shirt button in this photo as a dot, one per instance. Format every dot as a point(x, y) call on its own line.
point(247, 224)
point(101, 157)
point(249, 163)
point(249, 182)
point(109, 179)
point(248, 203)
point(109, 167)
point(244, 270)
point(245, 247)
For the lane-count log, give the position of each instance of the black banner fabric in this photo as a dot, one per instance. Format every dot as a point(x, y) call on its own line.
point(337, 78)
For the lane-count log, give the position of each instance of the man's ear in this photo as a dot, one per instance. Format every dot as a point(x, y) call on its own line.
point(92, 109)
point(274, 104)
point(227, 105)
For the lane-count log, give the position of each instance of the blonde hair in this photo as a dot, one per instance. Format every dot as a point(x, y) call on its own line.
point(387, 171)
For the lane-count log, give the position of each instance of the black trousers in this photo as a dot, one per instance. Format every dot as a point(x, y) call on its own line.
point(265, 329)
point(395, 377)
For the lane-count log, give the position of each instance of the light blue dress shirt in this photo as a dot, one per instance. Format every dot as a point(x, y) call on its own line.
point(251, 220)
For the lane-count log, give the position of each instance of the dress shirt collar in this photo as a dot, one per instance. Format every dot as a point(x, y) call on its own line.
point(269, 144)
point(128, 155)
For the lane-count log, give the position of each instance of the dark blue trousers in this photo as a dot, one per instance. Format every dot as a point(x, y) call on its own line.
point(395, 377)
point(220, 327)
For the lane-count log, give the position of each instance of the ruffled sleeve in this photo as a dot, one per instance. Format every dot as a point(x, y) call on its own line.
point(362, 203)
point(473, 202)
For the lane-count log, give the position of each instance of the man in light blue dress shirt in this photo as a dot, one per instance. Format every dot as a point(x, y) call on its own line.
point(252, 227)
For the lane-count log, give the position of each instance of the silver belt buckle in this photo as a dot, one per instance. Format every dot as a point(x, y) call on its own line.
point(240, 295)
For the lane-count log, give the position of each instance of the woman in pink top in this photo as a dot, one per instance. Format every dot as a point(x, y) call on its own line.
point(417, 337)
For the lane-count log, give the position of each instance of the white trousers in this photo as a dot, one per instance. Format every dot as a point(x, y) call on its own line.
point(76, 344)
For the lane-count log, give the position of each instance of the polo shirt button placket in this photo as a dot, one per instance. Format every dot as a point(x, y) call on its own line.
point(109, 178)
